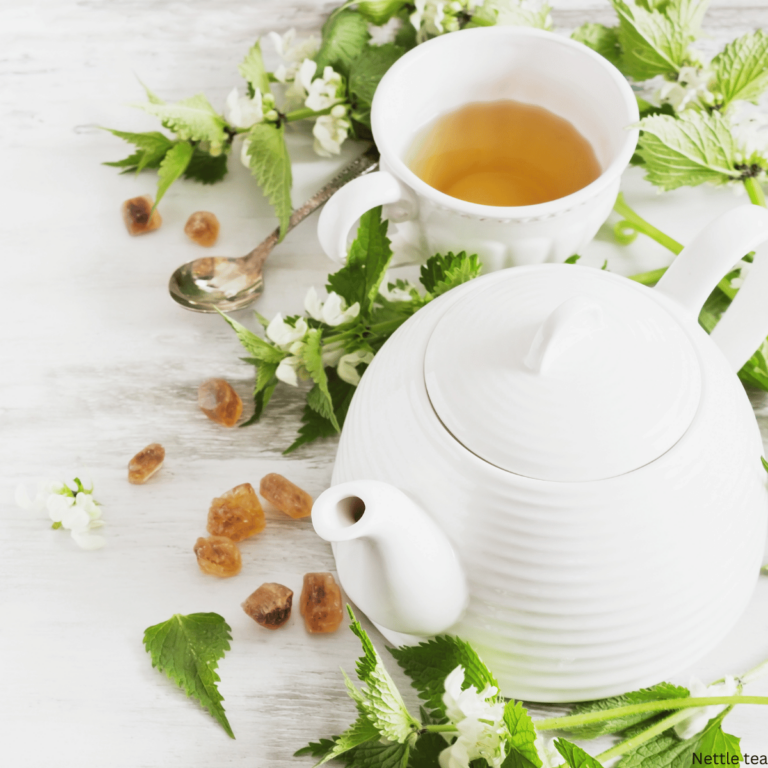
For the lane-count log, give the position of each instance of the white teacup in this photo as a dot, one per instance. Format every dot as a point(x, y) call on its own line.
point(490, 64)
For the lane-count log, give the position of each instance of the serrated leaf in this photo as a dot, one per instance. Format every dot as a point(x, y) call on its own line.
point(430, 662)
point(716, 742)
point(314, 425)
point(173, 165)
point(187, 649)
point(522, 735)
point(574, 756)
point(689, 150)
point(271, 166)
point(379, 698)
point(443, 272)
point(253, 70)
point(315, 748)
point(601, 39)
point(206, 168)
point(261, 350)
point(319, 398)
point(345, 35)
point(380, 11)
point(360, 732)
point(688, 14)
point(651, 43)
point(367, 70)
point(193, 119)
point(369, 257)
point(741, 68)
point(379, 755)
point(151, 96)
point(152, 148)
point(520, 16)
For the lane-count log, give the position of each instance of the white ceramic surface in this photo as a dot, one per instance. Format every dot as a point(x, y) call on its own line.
point(527, 65)
point(578, 590)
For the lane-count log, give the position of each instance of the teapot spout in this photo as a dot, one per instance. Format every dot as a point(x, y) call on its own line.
point(393, 561)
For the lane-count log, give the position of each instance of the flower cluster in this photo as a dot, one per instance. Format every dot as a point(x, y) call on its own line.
point(690, 90)
point(479, 721)
point(74, 510)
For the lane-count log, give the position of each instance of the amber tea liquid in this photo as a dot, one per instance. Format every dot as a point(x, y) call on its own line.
point(504, 153)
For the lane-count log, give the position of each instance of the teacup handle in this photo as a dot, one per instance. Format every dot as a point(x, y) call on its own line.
point(712, 254)
point(349, 204)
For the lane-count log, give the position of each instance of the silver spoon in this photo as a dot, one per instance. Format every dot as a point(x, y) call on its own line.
point(219, 282)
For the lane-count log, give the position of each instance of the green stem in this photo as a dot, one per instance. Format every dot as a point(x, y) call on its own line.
point(755, 191)
point(641, 225)
point(629, 744)
point(571, 721)
point(306, 112)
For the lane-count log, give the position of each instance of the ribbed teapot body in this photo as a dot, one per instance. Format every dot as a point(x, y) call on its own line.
point(578, 590)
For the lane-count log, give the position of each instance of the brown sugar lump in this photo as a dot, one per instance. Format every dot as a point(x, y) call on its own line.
point(146, 463)
point(320, 603)
point(218, 556)
point(139, 217)
point(202, 227)
point(236, 514)
point(219, 402)
point(270, 605)
point(286, 496)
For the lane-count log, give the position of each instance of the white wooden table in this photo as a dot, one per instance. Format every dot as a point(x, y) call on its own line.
point(96, 362)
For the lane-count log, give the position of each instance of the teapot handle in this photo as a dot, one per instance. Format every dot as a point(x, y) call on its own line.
point(711, 255)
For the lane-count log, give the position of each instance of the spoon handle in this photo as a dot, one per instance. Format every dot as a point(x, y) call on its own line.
point(365, 163)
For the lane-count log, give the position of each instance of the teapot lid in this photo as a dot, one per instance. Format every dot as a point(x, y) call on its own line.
point(562, 373)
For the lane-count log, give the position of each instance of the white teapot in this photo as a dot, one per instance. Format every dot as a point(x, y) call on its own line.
point(559, 465)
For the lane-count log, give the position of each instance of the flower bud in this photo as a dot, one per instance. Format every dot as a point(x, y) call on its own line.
point(271, 115)
point(339, 110)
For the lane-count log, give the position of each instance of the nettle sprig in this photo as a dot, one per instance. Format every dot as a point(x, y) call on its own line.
point(335, 340)
point(465, 723)
point(699, 123)
point(330, 82)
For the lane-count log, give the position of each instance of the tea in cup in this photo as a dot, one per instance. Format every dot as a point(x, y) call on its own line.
point(507, 142)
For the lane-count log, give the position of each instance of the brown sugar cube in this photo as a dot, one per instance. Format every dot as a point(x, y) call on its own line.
point(137, 218)
point(218, 556)
point(236, 514)
point(219, 402)
point(203, 228)
point(270, 605)
point(145, 463)
point(286, 496)
point(320, 603)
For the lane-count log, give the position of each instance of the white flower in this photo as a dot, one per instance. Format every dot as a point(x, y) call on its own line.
point(292, 54)
point(242, 111)
point(394, 293)
point(333, 312)
point(332, 353)
point(283, 334)
point(330, 133)
point(550, 757)
point(325, 91)
point(348, 363)
point(386, 33)
point(689, 90)
point(287, 370)
point(428, 17)
point(700, 716)
point(77, 513)
point(472, 712)
point(750, 127)
point(244, 156)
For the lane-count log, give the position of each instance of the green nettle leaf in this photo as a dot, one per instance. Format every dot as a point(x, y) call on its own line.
point(380, 11)
point(429, 663)
point(187, 649)
point(426, 751)
point(655, 693)
point(651, 44)
point(366, 265)
point(366, 72)
point(152, 147)
point(193, 119)
point(741, 68)
point(441, 273)
point(522, 751)
point(345, 35)
point(601, 39)
point(271, 166)
point(716, 742)
point(378, 755)
point(319, 398)
point(689, 150)
point(574, 756)
point(254, 72)
point(361, 731)
point(205, 167)
point(261, 350)
point(688, 14)
point(266, 381)
point(173, 165)
point(315, 748)
point(316, 426)
point(151, 97)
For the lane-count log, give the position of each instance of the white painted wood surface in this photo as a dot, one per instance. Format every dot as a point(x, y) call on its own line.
point(96, 362)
